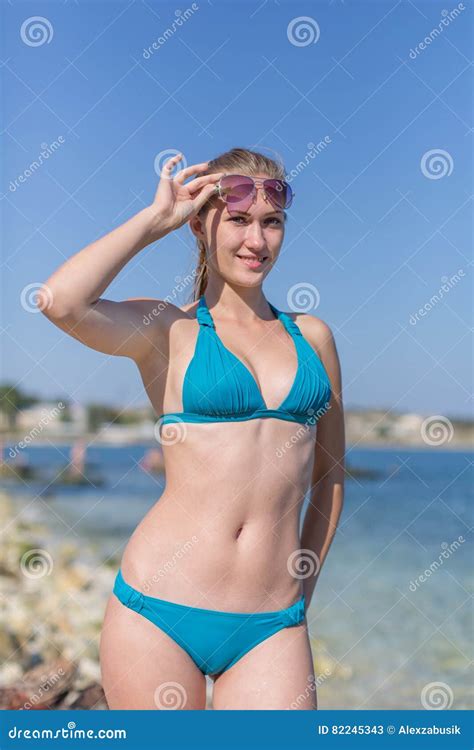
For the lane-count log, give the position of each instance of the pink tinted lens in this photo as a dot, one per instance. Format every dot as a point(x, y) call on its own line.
point(237, 192)
point(279, 193)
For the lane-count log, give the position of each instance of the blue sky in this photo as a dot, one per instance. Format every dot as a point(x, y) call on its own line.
point(382, 214)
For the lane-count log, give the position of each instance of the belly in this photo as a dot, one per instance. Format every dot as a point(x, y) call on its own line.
point(221, 535)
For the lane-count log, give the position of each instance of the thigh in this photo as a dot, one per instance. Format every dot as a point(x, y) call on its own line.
point(144, 668)
point(277, 674)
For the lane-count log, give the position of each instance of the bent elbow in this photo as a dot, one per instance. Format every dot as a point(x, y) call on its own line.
point(53, 306)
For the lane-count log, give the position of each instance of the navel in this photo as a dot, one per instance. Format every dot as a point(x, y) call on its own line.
point(238, 532)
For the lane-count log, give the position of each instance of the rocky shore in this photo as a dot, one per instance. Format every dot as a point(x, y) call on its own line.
point(52, 599)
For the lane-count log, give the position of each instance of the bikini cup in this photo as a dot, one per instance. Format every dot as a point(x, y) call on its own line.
point(218, 387)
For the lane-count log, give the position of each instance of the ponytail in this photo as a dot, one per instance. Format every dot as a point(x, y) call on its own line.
point(200, 281)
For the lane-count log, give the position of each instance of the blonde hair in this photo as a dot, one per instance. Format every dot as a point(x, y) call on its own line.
point(237, 161)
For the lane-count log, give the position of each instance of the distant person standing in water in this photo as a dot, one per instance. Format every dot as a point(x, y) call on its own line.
point(213, 579)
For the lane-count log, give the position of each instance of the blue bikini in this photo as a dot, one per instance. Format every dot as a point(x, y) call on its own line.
point(215, 640)
point(218, 387)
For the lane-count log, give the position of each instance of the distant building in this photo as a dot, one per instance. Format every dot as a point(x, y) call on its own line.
point(407, 427)
point(121, 433)
point(52, 418)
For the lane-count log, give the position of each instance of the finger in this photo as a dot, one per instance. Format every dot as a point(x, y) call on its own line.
point(188, 171)
point(200, 182)
point(203, 197)
point(170, 164)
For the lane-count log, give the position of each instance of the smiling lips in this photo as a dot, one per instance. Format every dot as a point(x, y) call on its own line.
point(252, 261)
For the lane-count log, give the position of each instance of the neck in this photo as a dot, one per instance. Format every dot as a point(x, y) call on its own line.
point(237, 302)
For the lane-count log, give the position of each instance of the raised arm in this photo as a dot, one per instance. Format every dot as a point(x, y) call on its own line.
point(71, 297)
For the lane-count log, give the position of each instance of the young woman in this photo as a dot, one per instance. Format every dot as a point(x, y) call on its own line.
point(216, 579)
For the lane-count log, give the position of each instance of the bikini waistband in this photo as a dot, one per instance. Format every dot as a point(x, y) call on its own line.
point(135, 600)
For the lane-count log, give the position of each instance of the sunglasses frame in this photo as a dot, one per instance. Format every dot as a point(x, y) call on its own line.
point(258, 182)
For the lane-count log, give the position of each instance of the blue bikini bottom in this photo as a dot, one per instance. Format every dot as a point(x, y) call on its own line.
point(215, 640)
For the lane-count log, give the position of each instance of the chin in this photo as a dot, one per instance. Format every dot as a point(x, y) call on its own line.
point(248, 280)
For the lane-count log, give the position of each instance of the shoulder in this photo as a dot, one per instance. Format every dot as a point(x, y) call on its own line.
point(320, 336)
point(161, 314)
point(316, 331)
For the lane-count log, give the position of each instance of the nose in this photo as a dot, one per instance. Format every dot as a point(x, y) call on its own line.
point(254, 236)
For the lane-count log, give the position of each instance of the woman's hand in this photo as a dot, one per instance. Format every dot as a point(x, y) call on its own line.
point(175, 203)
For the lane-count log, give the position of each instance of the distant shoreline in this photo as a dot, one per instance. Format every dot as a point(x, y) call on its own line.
point(93, 441)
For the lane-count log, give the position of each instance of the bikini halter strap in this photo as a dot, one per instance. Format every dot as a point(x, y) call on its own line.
point(289, 324)
point(204, 317)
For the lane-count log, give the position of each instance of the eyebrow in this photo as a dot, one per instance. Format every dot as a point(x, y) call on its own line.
point(266, 216)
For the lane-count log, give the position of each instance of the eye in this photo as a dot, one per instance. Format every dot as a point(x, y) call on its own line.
point(278, 221)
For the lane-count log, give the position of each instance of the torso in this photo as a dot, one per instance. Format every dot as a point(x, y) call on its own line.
point(223, 533)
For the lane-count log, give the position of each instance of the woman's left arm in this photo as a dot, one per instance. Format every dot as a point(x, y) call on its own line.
point(327, 485)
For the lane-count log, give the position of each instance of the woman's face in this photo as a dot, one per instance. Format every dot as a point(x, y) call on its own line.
point(242, 246)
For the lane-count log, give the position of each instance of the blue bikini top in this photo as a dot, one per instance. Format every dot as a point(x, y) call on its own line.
point(218, 387)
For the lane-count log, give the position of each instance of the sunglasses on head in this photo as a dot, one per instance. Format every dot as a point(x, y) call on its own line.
point(240, 191)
